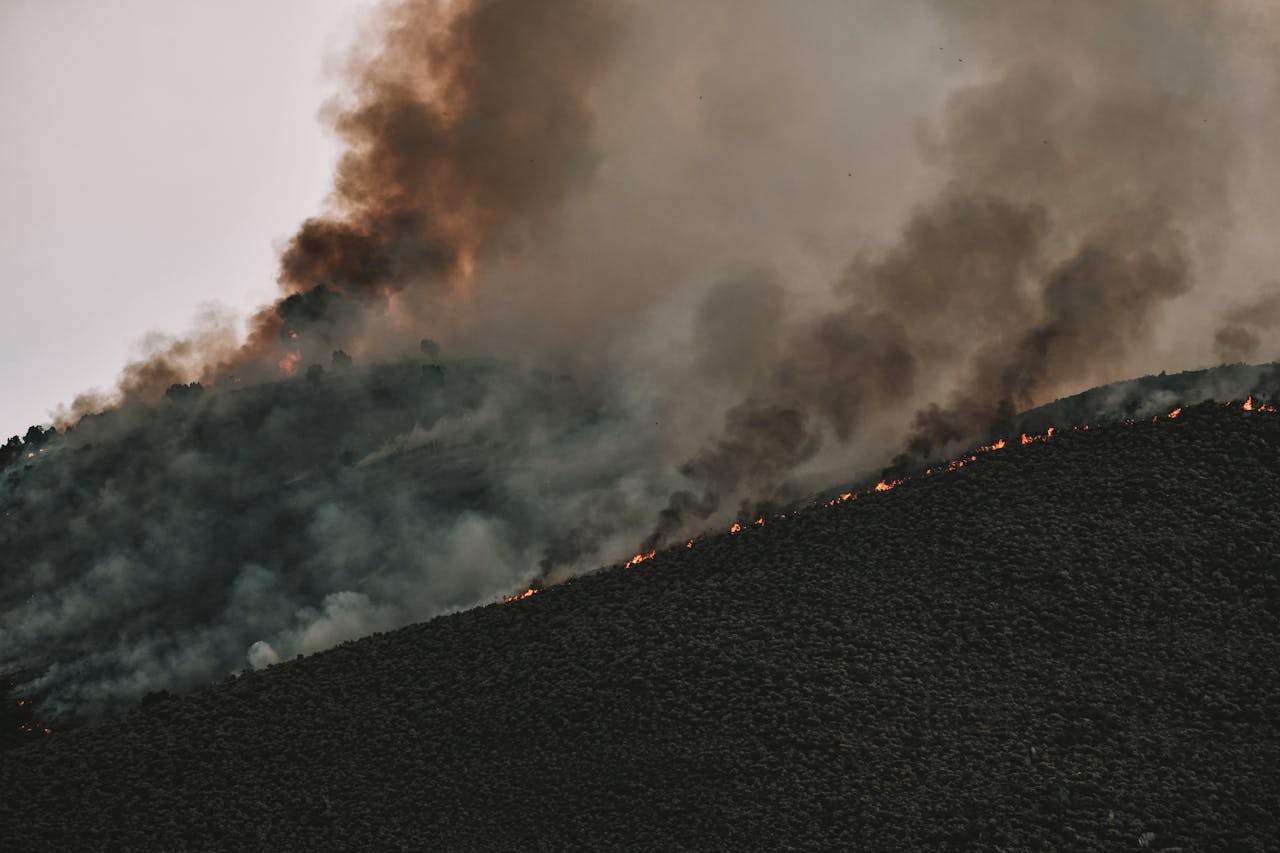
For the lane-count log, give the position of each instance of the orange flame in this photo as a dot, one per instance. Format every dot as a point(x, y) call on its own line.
point(289, 364)
point(640, 558)
point(520, 596)
point(885, 485)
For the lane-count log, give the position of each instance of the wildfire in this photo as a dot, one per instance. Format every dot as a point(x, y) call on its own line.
point(32, 728)
point(885, 484)
point(640, 558)
point(289, 364)
point(520, 596)
point(1250, 406)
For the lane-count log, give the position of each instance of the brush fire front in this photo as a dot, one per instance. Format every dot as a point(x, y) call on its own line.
point(886, 484)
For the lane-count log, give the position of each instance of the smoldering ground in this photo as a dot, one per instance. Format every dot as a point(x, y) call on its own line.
point(719, 254)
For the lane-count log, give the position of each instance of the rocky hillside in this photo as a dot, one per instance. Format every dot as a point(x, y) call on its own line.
point(1068, 644)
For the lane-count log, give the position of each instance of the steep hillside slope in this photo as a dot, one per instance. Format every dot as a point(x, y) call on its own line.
point(1065, 645)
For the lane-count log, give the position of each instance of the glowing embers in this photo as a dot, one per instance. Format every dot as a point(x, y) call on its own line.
point(289, 364)
point(31, 727)
point(886, 484)
point(640, 558)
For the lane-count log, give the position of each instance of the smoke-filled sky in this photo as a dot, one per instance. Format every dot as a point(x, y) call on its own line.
point(156, 155)
point(687, 262)
point(151, 154)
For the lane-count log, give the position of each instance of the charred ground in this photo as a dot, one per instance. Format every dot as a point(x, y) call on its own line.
point(1066, 645)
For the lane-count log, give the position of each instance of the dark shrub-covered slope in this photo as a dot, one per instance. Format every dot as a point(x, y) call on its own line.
point(1065, 645)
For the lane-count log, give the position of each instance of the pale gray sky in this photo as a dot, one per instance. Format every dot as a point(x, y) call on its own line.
point(152, 154)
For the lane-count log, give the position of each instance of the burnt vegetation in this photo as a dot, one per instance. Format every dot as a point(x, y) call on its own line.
point(1064, 645)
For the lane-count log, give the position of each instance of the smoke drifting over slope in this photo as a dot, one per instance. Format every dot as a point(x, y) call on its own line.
point(721, 254)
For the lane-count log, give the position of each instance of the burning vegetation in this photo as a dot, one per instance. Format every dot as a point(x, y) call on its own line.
point(928, 638)
point(952, 465)
point(568, 193)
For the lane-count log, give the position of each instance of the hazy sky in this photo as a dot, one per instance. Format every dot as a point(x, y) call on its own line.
point(152, 154)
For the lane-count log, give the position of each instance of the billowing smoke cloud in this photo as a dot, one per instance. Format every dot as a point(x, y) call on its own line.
point(1251, 330)
point(687, 262)
point(1078, 175)
point(467, 124)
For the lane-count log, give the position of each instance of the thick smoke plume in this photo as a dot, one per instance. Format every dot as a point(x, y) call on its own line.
point(685, 262)
point(1247, 328)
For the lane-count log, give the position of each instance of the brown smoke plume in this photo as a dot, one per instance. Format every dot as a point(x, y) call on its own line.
point(467, 124)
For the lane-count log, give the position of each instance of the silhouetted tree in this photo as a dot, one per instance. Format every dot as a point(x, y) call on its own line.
point(37, 436)
point(11, 451)
point(184, 393)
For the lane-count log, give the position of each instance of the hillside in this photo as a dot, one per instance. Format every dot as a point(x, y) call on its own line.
point(1065, 645)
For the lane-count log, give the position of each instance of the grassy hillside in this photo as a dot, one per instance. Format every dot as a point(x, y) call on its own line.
point(1066, 645)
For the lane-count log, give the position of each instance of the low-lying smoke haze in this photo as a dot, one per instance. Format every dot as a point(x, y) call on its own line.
point(684, 262)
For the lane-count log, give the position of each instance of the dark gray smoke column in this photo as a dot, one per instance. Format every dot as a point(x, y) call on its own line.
point(1085, 172)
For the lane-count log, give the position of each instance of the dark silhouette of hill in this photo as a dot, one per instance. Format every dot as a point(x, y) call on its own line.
point(1064, 645)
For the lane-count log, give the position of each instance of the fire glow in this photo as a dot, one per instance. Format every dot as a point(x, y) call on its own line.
point(289, 364)
point(640, 558)
point(886, 484)
point(1250, 406)
point(32, 728)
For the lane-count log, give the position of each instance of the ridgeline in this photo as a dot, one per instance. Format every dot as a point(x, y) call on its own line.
point(1070, 644)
